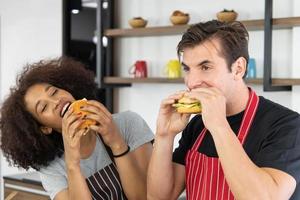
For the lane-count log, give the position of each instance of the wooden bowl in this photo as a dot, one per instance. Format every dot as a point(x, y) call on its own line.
point(180, 19)
point(137, 22)
point(227, 16)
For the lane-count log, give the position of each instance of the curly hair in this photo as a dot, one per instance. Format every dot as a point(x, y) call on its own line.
point(22, 142)
point(233, 38)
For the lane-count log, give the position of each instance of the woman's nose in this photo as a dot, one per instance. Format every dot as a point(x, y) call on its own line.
point(54, 102)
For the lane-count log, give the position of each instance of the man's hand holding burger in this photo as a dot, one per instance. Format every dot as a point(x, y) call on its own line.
point(170, 122)
point(213, 105)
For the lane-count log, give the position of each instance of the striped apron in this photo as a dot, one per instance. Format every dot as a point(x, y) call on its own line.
point(106, 185)
point(204, 175)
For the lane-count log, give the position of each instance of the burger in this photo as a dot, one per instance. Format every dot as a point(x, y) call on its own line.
point(77, 110)
point(187, 105)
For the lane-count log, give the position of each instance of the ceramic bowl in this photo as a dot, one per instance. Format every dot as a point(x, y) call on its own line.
point(180, 19)
point(137, 22)
point(227, 16)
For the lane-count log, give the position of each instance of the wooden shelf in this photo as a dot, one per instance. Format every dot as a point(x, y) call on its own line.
point(278, 23)
point(128, 80)
point(285, 81)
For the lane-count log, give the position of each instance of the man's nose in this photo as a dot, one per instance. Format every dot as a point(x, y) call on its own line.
point(192, 81)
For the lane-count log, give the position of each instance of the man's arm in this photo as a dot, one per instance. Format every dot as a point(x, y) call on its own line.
point(245, 179)
point(166, 180)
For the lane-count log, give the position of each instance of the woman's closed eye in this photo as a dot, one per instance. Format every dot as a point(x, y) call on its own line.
point(44, 107)
point(53, 92)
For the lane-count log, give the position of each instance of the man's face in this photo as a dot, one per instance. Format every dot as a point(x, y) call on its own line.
point(46, 102)
point(205, 66)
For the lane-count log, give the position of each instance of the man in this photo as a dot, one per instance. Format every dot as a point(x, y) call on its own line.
point(241, 146)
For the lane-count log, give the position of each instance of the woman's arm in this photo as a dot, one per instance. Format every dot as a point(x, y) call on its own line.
point(77, 189)
point(77, 186)
point(132, 169)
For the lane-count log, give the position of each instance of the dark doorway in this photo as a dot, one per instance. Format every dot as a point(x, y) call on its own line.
point(79, 42)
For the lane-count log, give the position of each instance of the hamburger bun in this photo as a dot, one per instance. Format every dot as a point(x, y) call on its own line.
point(76, 108)
point(188, 106)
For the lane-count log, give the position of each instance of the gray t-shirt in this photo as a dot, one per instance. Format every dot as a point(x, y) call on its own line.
point(134, 130)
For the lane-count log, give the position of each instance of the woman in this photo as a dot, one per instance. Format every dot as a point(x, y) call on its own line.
point(107, 161)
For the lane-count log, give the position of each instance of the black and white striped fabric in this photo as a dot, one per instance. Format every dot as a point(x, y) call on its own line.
point(106, 185)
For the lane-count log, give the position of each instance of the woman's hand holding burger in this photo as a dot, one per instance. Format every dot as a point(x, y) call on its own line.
point(105, 126)
point(71, 134)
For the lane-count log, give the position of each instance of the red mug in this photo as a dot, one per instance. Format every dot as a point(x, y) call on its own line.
point(139, 69)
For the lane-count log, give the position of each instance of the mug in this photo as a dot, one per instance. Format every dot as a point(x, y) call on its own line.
point(251, 68)
point(173, 69)
point(139, 69)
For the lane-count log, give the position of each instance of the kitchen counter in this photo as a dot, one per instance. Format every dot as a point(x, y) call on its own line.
point(24, 186)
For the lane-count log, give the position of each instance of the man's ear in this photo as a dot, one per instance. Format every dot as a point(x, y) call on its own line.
point(239, 68)
point(46, 130)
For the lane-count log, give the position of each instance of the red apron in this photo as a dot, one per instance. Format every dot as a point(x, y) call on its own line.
point(204, 175)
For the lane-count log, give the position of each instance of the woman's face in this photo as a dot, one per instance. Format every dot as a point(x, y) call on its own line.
point(47, 104)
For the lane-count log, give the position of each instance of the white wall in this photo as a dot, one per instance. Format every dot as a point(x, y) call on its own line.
point(30, 30)
point(158, 50)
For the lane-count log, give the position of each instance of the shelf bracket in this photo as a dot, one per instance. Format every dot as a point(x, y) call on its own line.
point(105, 13)
point(268, 27)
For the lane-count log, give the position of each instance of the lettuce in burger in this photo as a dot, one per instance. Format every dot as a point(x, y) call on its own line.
point(188, 105)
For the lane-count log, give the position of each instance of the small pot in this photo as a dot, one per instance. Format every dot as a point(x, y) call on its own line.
point(227, 16)
point(137, 22)
point(180, 20)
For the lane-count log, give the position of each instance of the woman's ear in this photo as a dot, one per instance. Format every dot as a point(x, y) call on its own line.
point(239, 68)
point(46, 130)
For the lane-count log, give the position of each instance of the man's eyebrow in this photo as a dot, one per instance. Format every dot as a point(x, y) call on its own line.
point(204, 62)
point(201, 63)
